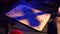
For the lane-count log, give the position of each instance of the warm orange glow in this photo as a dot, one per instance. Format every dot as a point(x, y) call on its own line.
point(25, 21)
point(59, 9)
point(36, 11)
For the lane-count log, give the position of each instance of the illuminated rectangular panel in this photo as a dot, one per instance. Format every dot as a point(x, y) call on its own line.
point(29, 16)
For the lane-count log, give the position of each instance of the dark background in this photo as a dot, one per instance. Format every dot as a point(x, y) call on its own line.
point(51, 8)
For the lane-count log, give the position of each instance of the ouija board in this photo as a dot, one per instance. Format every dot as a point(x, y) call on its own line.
point(31, 17)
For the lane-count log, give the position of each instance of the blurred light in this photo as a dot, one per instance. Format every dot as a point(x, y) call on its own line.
point(16, 32)
point(59, 11)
